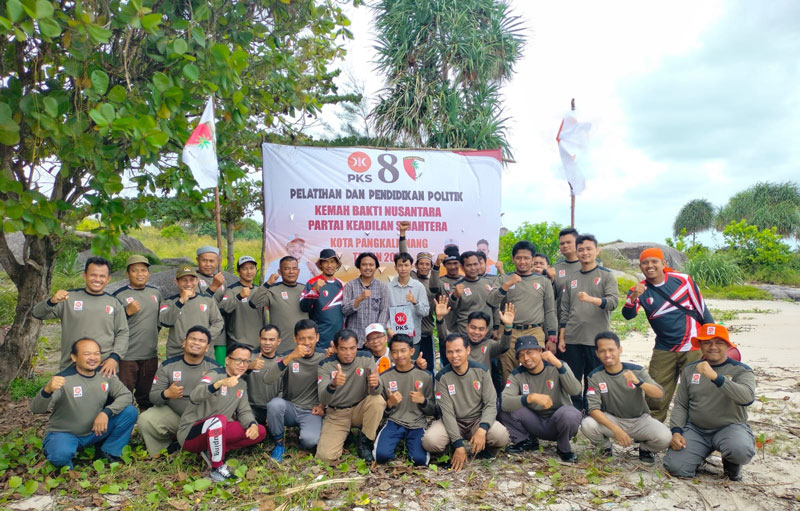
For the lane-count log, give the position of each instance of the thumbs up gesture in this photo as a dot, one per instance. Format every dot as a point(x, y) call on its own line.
point(340, 378)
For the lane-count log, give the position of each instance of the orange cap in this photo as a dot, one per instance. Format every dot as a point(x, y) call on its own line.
point(711, 331)
point(651, 252)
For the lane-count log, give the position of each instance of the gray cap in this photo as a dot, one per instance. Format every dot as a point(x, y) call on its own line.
point(245, 259)
point(206, 249)
point(526, 342)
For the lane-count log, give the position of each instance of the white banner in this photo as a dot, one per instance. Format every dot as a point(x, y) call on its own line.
point(350, 200)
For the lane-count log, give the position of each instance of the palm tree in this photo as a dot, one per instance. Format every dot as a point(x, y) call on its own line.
point(765, 205)
point(695, 216)
point(444, 62)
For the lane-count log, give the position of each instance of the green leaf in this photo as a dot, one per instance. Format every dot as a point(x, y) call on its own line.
point(49, 28)
point(5, 23)
point(117, 94)
point(99, 466)
point(51, 106)
point(161, 81)
point(31, 486)
point(14, 482)
point(157, 139)
point(99, 81)
point(15, 10)
point(180, 46)
point(202, 484)
point(98, 117)
point(191, 72)
point(199, 36)
point(108, 112)
point(44, 9)
point(151, 21)
point(98, 33)
point(9, 133)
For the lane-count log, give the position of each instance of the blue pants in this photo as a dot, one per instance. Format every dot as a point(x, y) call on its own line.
point(391, 434)
point(60, 447)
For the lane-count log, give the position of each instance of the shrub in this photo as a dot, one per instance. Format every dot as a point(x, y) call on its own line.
point(714, 269)
point(119, 259)
point(173, 232)
point(756, 249)
point(247, 229)
point(27, 387)
point(88, 224)
point(544, 235)
point(624, 285)
point(737, 292)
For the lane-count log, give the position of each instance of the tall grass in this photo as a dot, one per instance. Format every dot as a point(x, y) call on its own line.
point(714, 270)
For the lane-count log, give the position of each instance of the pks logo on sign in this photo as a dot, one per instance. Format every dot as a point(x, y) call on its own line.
point(400, 318)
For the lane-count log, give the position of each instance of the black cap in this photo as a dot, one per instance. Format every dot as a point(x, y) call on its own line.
point(526, 342)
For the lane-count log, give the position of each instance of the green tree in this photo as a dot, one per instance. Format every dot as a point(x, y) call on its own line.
point(765, 205)
point(444, 64)
point(695, 216)
point(544, 235)
point(238, 200)
point(93, 91)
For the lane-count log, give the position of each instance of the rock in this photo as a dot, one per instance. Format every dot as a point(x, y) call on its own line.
point(176, 261)
point(133, 245)
point(630, 252)
point(37, 502)
point(781, 292)
point(636, 277)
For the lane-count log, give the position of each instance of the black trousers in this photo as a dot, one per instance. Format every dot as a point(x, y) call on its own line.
point(582, 360)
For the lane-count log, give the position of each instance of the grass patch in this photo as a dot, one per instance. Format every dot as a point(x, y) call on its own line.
point(736, 292)
point(732, 314)
point(624, 328)
point(27, 387)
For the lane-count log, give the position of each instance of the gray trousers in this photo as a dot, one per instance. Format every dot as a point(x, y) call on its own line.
point(282, 413)
point(652, 435)
point(159, 427)
point(561, 426)
point(735, 443)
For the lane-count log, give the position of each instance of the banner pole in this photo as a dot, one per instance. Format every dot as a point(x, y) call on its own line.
point(264, 218)
point(571, 192)
point(219, 225)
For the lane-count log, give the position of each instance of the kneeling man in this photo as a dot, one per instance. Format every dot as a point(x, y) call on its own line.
point(468, 403)
point(88, 408)
point(710, 411)
point(616, 402)
point(536, 402)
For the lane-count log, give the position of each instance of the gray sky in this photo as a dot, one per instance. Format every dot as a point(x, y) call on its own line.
point(687, 100)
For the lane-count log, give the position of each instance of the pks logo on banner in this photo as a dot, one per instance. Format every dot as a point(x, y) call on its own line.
point(360, 163)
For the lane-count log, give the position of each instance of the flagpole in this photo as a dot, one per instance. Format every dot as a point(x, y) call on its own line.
point(219, 225)
point(571, 191)
point(264, 275)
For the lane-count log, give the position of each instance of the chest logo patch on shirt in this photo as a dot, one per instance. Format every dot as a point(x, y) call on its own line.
point(603, 387)
point(295, 367)
point(488, 287)
point(536, 285)
point(418, 384)
point(319, 380)
point(203, 307)
point(393, 386)
point(597, 280)
point(223, 390)
point(526, 389)
point(129, 299)
point(573, 284)
point(562, 273)
point(649, 300)
point(476, 384)
point(550, 384)
point(154, 298)
point(468, 291)
point(77, 391)
point(451, 389)
point(239, 393)
point(447, 286)
point(104, 386)
point(176, 376)
point(78, 305)
point(483, 350)
point(631, 385)
point(324, 292)
point(109, 309)
point(360, 371)
point(284, 295)
point(696, 378)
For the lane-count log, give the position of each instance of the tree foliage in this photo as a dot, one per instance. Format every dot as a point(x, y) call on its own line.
point(444, 64)
point(544, 235)
point(765, 205)
point(95, 91)
point(695, 216)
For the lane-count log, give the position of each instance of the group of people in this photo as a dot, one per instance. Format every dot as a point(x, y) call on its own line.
point(525, 355)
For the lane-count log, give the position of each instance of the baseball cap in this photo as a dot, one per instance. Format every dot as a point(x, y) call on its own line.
point(526, 342)
point(136, 258)
point(206, 249)
point(450, 258)
point(245, 259)
point(711, 331)
point(296, 239)
point(375, 328)
point(184, 271)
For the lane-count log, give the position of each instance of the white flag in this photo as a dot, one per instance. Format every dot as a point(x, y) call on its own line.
point(200, 151)
point(573, 143)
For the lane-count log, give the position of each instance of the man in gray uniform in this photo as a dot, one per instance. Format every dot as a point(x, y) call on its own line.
point(173, 382)
point(89, 313)
point(586, 307)
point(350, 389)
point(483, 348)
point(88, 408)
point(299, 405)
point(283, 301)
point(243, 318)
point(617, 406)
point(536, 401)
point(187, 309)
point(259, 392)
point(470, 293)
point(209, 280)
point(560, 272)
point(141, 302)
point(710, 411)
point(468, 403)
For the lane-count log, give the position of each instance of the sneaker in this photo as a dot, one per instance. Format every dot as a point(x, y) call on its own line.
point(732, 470)
point(529, 444)
point(646, 456)
point(568, 456)
point(223, 473)
point(607, 452)
point(173, 447)
point(204, 455)
point(484, 455)
point(277, 452)
point(365, 448)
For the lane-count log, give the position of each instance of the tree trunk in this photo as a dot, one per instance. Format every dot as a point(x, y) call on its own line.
point(32, 280)
point(229, 240)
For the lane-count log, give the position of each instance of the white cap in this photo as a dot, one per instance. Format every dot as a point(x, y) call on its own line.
point(373, 328)
point(245, 259)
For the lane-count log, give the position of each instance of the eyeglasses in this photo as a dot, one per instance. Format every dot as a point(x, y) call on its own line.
point(239, 360)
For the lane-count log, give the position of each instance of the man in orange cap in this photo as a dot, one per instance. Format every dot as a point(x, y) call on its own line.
point(710, 411)
point(675, 310)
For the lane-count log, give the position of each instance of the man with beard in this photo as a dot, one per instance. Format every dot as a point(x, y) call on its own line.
point(366, 299)
point(173, 382)
point(218, 419)
point(259, 392)
point(321, 299)
point(243, 318)
point(282, 298)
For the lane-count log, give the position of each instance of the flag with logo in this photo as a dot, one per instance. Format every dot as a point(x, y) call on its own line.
point(573, 145)
point(200, 151)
